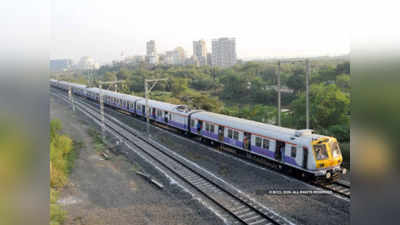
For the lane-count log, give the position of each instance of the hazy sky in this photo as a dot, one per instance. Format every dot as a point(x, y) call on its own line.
point(103, 28)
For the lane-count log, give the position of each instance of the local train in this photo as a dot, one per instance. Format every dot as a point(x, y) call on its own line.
point(302, 151)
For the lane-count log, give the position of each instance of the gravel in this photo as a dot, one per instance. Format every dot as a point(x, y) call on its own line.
point(110, 192)
point(256, 181)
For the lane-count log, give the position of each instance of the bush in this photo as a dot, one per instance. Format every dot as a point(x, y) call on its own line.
point(340, 132)
point(57, 214)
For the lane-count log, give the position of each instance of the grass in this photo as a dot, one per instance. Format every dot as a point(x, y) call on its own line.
point(99, 145)
point(73, 155)
point(57, 214)
point(63, 153)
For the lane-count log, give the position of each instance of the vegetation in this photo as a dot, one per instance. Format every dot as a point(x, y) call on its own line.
point(62, 157)
point(247, 90)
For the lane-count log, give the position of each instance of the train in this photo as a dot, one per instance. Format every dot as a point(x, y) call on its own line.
point(300, 151)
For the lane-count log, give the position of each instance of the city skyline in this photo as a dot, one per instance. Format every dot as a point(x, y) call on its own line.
point(260, 31)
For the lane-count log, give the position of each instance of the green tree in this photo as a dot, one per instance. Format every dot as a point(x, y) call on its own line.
point(297, 83)
point(327, 73)
point(110, 76)
point(328, 106)
point(178, 86)
point(123, 74)
point(343, 68)
point(343, 82)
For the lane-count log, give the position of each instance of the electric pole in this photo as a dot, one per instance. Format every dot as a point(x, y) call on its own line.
point(307, 94)
point(102, 104)
point(71, 98)
point(307, 62)
point(279, 93)
point(147, 91)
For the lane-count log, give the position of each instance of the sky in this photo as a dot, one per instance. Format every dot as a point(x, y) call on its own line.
point(104, 29)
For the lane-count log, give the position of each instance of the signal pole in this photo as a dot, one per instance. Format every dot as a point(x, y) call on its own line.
point(147, 91)
point(101, 100)
point(71, 98)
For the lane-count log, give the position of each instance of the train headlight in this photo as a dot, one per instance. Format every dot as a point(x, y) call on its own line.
point(328, 175)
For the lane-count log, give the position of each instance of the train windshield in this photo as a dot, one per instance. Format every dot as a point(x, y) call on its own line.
point(335, 150)
point(320, 152)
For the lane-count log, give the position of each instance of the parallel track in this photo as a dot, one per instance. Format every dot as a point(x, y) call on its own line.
point(230, 199)
point(337, 187)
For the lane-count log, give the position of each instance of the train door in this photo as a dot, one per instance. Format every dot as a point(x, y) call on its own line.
point(153, 112)
point(247, 141)
point(166, 117)
point(305, 157)
point(221, 131)
point(144, 110)
point(199, 126)
point(279, 150)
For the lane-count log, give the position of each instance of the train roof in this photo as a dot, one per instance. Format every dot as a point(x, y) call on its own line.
point(77, 85)
point(115, 94)
point(69, 83)
point(161, 105)
point(121, 95)
point(253, 126)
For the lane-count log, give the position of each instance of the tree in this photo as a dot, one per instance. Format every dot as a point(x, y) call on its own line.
point(343, 68)
point(327, 73)
point(110, 76)
point(297, 83)
point(328, 106)
point(343, 82)
point(123, 74)
point(178, 86)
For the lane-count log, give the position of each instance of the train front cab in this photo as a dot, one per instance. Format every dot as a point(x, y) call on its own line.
point(328, 158)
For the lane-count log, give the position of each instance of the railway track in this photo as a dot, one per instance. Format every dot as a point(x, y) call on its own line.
point(241, 207)
point(338, 187)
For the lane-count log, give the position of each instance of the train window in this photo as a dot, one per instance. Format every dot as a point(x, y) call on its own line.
point(335, 150)
point(236, 135)
point(207, 127)
point(258, 141)
point(230, 135)
point(192, 123)
point(320, 152)
point(265, 143)
point(293, 152)
point(212, 128)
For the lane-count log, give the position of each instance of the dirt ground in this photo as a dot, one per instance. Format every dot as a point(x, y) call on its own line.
point(110, 192)
point(254, 180)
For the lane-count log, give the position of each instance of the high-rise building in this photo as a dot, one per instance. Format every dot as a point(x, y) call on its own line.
point(175, 57)
point(151, 52)
point(209, 59)
point(200, 52)
point(223, 52)
point(151, 49)
point(87, 63)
